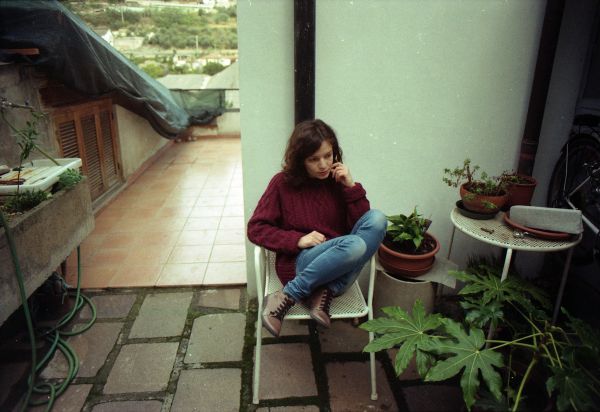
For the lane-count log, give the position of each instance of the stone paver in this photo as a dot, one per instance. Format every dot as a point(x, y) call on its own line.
point(217, 338)
point(208, 390)
point(286, 371)
point(109, 306)
point(142, 367)
point(434, 398)
point(161, 315)
point(72, 400)
point(289, 328)
point(343, 337)
point(219, 298)
point(92, 347)
point(129, 406)
point(350, 388)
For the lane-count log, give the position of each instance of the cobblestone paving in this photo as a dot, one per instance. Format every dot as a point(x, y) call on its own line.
point(192, 349)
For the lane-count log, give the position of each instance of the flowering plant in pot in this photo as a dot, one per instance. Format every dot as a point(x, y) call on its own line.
point(520, 188)
point(483, 194)
point(408, 249)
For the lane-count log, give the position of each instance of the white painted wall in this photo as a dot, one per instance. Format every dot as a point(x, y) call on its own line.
point(410, 87)
point(228, 123)
point(266, 50)
point(138, 141)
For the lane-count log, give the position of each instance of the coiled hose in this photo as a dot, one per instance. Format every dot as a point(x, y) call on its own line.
point(49, 392)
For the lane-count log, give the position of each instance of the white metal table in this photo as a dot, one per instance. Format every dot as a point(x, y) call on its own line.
point(496, 232)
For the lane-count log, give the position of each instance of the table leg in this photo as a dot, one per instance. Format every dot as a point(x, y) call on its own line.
point(561, 288)
point(451, 242)
point(506, 264)
point(507, 259)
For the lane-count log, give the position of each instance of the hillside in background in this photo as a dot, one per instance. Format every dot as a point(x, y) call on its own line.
point(164, 37)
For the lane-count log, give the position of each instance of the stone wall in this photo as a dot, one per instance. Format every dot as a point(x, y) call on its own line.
point(19, 84)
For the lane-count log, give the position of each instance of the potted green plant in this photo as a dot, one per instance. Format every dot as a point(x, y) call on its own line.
point(520, 188)
point(483, 194)
point(530, 364)
point(408, 249)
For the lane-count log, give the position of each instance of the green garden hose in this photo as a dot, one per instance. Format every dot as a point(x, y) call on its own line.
point(53, 335)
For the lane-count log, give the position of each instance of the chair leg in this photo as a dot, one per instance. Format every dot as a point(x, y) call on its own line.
point(374, 395)
point(257, 352)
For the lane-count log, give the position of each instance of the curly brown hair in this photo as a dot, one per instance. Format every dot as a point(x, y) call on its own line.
point(305, 140)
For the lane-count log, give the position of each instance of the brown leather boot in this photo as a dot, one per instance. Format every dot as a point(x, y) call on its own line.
point(277, 305)
point(319, 303)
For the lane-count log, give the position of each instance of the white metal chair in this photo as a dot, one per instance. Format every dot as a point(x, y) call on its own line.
point(351, 304)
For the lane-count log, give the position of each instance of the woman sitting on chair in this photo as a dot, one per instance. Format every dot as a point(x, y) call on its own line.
point(318, 221)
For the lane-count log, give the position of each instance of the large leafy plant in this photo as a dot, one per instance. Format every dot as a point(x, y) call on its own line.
point(495, 372)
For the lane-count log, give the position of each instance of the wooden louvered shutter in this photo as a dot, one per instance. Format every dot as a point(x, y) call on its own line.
point(108, 148)
point(68, 139)
point(92, 154)
point(86, 131)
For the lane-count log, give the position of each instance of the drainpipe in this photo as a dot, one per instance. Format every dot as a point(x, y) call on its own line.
point(304, 59)
point(541, 83)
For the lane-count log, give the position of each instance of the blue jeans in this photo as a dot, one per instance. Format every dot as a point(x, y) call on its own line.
point(337, 262)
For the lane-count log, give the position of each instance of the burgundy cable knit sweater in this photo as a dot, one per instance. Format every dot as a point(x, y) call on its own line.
point(285, 213)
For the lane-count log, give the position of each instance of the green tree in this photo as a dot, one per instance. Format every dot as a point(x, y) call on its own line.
point(212, 68)
point(154, 69)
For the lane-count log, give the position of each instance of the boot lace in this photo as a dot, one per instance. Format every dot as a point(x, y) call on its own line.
point(325, 302)
point(283, 308)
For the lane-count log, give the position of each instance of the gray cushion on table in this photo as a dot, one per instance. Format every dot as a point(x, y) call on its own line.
point(547, 218)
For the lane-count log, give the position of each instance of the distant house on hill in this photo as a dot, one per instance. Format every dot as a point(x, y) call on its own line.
point(109, 37)
point(185, 81)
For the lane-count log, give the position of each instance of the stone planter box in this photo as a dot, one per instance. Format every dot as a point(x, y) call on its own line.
point(44, 237)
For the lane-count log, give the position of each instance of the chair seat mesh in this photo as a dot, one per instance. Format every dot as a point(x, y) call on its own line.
point(350, 305)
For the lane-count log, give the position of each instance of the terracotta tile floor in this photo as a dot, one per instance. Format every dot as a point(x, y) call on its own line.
point(179, 223)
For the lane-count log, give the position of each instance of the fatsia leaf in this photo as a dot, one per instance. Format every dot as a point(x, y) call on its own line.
point(424, 362)
point(573, 389)
point(479, 314)
point(484, 281)
point(407, 331)
point(588, 336)
point(466, 353)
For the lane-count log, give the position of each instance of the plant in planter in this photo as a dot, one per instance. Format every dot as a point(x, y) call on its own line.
point(520, 188)
point(531, 365)
point(483, 194)
point(27, 141)
point(408, 249)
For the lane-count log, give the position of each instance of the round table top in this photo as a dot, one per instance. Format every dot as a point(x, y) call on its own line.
point(497, 232)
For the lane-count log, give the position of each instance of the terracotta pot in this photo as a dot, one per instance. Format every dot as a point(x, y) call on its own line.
point(521, 193)
point(477, 203)
point(407, 265)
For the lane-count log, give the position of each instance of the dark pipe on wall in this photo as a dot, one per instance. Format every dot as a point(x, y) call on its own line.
point(304, 59)
point(541, 83)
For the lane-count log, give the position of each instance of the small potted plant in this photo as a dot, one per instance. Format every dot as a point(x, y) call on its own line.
point(408, 249)
point(484, 194)
point(520, 188)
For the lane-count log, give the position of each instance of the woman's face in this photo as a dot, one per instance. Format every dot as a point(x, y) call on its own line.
point(318, 165)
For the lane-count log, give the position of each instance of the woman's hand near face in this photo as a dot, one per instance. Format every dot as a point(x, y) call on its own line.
point(341, 174)
point(314, 238)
